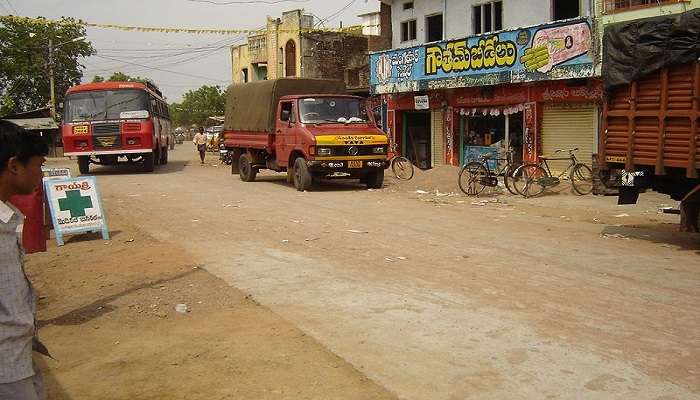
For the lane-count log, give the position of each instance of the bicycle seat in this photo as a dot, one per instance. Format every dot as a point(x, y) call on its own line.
point(486, 157)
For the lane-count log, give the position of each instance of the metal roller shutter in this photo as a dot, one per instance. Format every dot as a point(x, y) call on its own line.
point(438, 137)
point(565, 127)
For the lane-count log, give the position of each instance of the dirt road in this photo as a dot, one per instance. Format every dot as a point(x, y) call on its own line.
point(438, 296)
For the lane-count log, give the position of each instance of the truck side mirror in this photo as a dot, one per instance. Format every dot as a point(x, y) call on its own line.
point(286, 115)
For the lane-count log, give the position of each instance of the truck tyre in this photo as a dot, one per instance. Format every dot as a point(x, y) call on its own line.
point(148, 162)
point(84, 164)
point(246, 169)
point(375, 179)
point(302, 176)
point(156, 156)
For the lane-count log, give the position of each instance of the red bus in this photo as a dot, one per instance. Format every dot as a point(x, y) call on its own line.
point(108, 123)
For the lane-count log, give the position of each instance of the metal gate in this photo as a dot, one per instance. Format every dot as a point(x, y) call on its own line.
point(565, 127)
point(437, 133)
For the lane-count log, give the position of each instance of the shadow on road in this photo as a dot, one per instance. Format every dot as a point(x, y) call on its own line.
point(665, 234)
point(137, 169)
point(101, 306)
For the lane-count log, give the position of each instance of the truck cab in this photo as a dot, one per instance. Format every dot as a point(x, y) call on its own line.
point(311, 136)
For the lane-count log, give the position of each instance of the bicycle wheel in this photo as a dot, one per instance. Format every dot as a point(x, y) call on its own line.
point(508, 178)
point(471, 178)
point(402, 168)
point(582, 179)
point(526, 180)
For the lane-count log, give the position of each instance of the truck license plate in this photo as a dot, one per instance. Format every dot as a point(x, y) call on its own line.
point(355, 164)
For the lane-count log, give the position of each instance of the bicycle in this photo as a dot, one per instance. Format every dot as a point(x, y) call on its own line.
point(476, 176)
point(401, 166)
point(532, 179)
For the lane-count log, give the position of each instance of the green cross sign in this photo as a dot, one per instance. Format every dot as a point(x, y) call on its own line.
point(75, 203)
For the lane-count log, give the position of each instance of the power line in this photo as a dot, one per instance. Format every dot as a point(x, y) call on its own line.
point(161, 69)
point(226, 3)
point(11, 6)
point(335, 14)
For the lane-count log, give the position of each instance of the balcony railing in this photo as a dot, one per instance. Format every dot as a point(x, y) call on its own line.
point(613, 6)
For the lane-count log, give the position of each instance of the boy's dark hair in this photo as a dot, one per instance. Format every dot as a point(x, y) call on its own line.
point(16, 142)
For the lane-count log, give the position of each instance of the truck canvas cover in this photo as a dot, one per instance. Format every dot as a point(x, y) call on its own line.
point(252, 106)
point(632, 50)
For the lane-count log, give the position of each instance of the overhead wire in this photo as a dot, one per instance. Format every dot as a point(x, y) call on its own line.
point(226, 3)
point(161, 69)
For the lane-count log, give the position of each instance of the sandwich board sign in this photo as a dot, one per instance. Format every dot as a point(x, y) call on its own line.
point(75, 206)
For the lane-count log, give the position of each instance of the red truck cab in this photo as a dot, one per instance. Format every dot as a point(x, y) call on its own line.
point(316, 135)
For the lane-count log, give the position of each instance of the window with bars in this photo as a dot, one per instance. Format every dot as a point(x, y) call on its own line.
point(408, 30)
point(487, 17)
point(611, 6)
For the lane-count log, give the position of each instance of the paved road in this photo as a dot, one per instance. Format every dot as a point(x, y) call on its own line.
point(438, 299)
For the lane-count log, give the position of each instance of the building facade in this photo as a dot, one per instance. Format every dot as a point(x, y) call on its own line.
point(292, 46)
point(464, 76)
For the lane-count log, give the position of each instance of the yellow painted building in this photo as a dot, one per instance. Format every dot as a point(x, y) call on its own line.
point(274, 51)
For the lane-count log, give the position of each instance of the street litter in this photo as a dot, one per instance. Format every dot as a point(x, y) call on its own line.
point(129, 241)
point(181, 308)
point(421, 192)
point(623, 215)
point(311, 239)
point(356, 231)
point(285, 241)
point(614, 235)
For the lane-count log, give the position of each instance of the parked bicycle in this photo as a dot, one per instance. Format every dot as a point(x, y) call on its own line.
point(532, 179)
point(476, 176)
point(401, 166)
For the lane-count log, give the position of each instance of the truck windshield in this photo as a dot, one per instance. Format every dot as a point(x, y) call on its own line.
point(320, 110)
point(106, 104)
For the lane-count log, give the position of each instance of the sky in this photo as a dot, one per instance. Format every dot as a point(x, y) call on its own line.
point(176, 62)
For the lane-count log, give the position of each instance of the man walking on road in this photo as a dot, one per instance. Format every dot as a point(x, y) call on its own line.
point(200, 140)
point(21, 157)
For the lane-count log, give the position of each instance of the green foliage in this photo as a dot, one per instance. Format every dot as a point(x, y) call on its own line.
point(122, 77)
point(98, 79)
point(197, 106)
point(24, 55)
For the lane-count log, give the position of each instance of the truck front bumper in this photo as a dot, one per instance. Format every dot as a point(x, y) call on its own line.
point(348, 166)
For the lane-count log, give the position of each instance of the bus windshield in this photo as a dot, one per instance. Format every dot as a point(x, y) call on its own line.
point(106, 104)
point(319, 110)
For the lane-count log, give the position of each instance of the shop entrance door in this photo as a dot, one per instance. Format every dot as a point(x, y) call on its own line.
point(416, 138)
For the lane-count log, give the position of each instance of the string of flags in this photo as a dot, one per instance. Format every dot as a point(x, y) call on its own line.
point(130, 28)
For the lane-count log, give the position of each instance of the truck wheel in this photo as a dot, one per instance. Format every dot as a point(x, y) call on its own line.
point(245, 168)
point(302, 176)
point(148, 162)
point(164, 156)
point(375, 179)
point(84, 164)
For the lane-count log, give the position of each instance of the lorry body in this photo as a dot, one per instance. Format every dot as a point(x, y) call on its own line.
point(308, 128)
point(651, 134)
point(111, 122)
point(650, 124)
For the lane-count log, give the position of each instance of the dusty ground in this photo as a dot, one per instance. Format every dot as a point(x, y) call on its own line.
point(107, 314)
point(439, 296)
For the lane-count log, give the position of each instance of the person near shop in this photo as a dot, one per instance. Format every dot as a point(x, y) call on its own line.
point(200, 141)
point(21, 157)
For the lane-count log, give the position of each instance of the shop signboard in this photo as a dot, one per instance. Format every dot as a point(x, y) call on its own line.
point(421, 102)
point(75, 206)
point(560, 50)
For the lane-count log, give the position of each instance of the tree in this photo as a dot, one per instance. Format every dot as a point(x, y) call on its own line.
point(24, 51)
point(122, 77)
point(198, 105)
point(98, 79)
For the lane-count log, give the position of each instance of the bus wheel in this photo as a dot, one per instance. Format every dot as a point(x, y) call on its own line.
point(148, 162)
point(84, 164)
